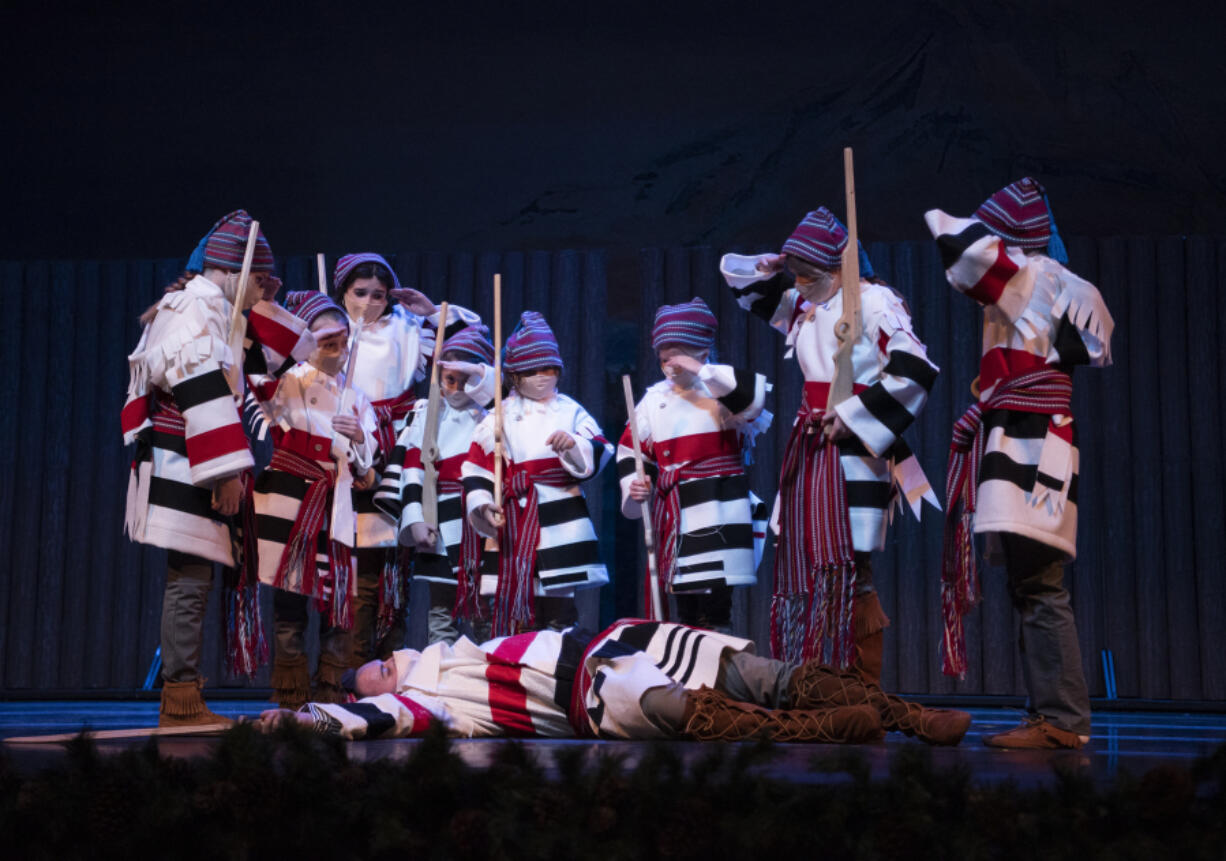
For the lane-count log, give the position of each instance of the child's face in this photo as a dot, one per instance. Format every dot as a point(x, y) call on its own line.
point(330, 352)
point(537, 384)
point(365, 299)
point(815, 284)
point(451, 380)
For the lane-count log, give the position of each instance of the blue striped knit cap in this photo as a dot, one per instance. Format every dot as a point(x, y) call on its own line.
point(225, 245)
point(309, 304)
point(820, 239)
point(1018, 214)
point(691, 323)
point(531, 346)
point(352, 261)
point(472, 342)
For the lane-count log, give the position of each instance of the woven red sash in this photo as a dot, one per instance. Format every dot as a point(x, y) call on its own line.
point(517, 541)
point(300, 548)
point(166, 415)
point(815, 572)
point(468, 587)
point(1044, 391)
point(387, 412)
point(666, 516)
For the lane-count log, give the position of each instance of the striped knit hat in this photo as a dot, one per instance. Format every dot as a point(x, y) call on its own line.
point(349, 262)
point(472, 342)
point(309, 304)
point(691, 324)
point(226, 243)
point(1018, 214)
point(532, 345)
point(820, 239)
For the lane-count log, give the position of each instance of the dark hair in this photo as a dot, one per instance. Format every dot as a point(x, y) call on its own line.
point(370, 269)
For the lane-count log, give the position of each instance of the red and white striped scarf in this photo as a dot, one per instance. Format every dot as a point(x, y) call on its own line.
point(1043, 391)
point(468, 586)
point(514, 608)
point(815, 569)
point(666, 516)
point(303, 540)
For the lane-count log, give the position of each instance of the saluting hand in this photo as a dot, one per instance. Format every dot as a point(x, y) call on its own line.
point(415, 300)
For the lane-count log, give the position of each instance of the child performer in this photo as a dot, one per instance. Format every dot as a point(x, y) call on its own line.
point(830, 508)
point(693, 427)
point(1013, 463)
point(192, 452)
point(547, 543)
point(467, 384)
point(396, 343)
point(324, 434)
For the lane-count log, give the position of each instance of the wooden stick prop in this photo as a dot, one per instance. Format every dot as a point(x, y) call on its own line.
point(320, 269)
point(429, 441)
point(353, 357)
point(657, 605)
point(850, 325)
point(238, 323)
point(498, 443)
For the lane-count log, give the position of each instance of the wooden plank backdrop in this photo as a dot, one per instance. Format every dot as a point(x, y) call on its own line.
point(80, 604)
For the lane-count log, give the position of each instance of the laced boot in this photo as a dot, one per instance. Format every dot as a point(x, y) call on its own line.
point(871, 622)
point(815, 686)
point(183, 705)
point(290, 681)
point(328, 687)
point(712, 715)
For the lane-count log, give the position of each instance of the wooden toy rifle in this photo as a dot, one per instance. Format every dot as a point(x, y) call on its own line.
point(429, 440)
point(849, 326)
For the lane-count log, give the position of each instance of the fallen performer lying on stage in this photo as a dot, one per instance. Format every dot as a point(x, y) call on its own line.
point(636, 680)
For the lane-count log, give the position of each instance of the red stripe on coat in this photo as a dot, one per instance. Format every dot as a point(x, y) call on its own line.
point(421, 715)
point(135, 413)
point(987, 290)
point(219, 442)
point(1001, 363)
point(508, 699)
point(697, 446)
point(278, 338)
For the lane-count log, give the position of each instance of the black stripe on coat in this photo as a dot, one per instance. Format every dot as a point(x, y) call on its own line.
point(868, 494)
point(558, 511)
point(742, 396)
point(729, 535)
point(187, 498)
point(378, 721)
point(722, 488)
point(207, 387)
point(580, 554)
point(954, 245)
point(904, 364)
point(886, 409)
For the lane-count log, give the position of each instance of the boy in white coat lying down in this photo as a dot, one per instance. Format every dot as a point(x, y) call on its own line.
point(636, 680)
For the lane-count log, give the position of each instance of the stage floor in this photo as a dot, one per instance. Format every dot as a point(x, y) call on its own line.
point(1132, 742)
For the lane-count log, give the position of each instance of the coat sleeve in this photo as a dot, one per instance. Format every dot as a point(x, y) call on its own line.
point(384, 716)
point(742, 392)
point(626, 468)
point(763, 295)
point(477, 473)
point(879, 414)
point(591, 450)
point(399, 494)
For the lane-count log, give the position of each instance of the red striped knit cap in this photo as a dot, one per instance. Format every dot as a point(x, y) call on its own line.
point(473, 342)
point(225, 245)
point(691, 323)
point(1018, 214)
point(819, 239)
point(352, 261)
point(309, 304)
point(532, 345)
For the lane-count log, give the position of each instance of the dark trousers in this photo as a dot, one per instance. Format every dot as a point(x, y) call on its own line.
point(1051, 656)
point(188, 581)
